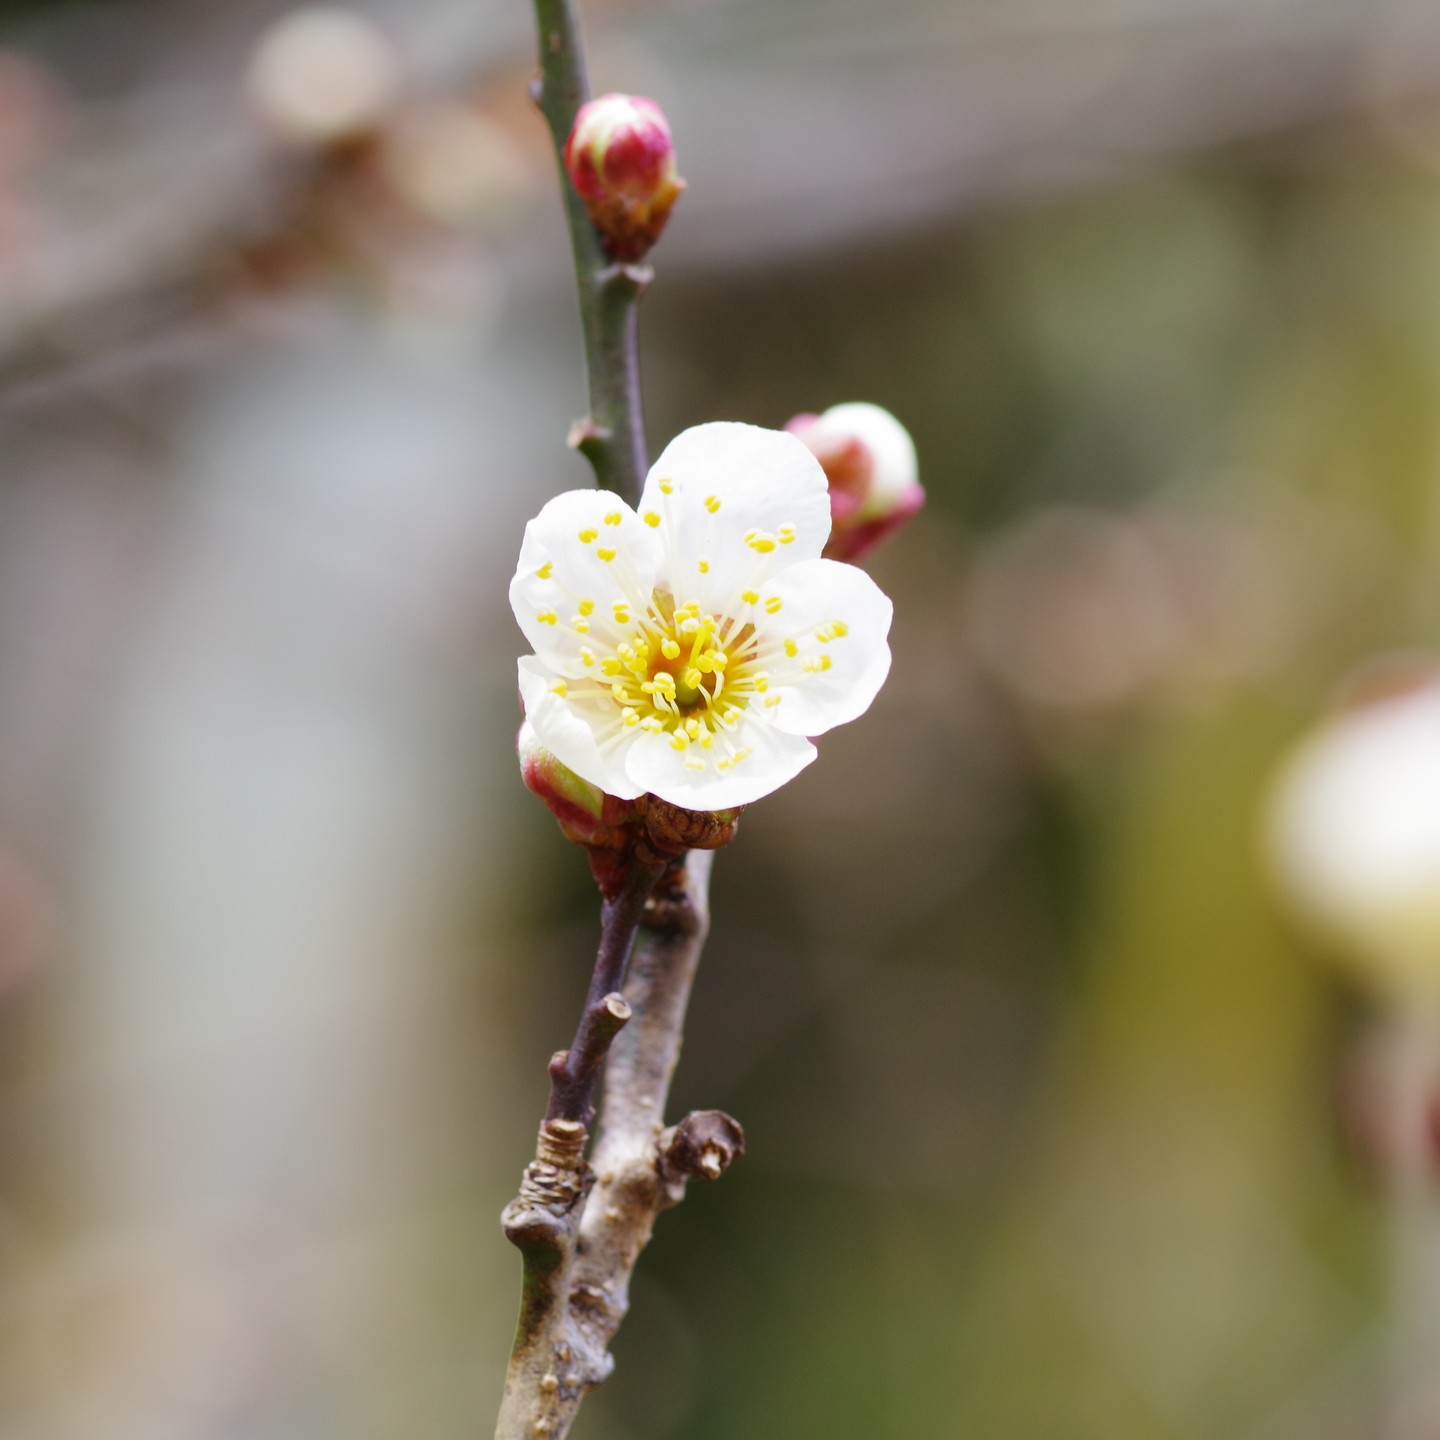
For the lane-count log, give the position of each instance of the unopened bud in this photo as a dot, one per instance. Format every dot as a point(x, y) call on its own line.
point(575, 803)
point(869, 459)
point(621, 160)
point(1355, 838)
point(606, 826)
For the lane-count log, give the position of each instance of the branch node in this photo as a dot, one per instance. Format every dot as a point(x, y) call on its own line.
point(555, 1183)
point(702, 1146)
point(585, 435)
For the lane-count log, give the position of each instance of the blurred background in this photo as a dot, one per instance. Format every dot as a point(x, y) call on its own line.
point(1049, 1106)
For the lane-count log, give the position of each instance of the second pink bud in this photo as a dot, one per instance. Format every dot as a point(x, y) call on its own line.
point(621, 160)
point(869, 459)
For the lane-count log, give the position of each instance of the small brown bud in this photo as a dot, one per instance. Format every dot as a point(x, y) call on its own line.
point(704, 1144)
point(670, 829)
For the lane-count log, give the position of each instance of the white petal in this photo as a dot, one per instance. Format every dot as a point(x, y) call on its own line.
point(715, 485)
point(563, 574)
point(580, 733)
point(692, 777)
point(836, 619)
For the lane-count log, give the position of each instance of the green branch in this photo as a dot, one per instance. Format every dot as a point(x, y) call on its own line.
point(612, 437)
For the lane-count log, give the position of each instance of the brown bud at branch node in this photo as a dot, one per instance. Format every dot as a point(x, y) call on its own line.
point(671, 830)
point(704, 1144)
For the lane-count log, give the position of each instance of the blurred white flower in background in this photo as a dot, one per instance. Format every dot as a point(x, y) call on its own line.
point(321, 73)
point(1355, 837)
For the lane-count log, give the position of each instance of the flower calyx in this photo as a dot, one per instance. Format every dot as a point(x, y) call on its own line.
point(616, 834)
point(869, 460)
point(621, 161)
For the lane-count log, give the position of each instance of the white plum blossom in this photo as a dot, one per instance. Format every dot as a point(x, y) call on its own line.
point(691, 649)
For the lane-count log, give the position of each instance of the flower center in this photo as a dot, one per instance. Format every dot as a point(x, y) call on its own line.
point(683, 672)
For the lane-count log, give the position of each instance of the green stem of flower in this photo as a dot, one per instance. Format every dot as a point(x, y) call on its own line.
point(612, 437)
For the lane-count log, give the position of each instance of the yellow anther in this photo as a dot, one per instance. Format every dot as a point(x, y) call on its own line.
point(586, 607)
point(693, 678)
point(692, 728)
point(791, 649)
point(605, 553)
point(772, 605)
point(760, 541)
point(589, 535)
point(840, 628)
point(652, 518)
point(619, 692)
point(761, 682)
point(614, 518)
point(558, 688)
point(630, 716)
point(703, 565)
point(743, 753)
point(667, 487)
point(786, 535)
point(772, 700)
point(652, 725)
point(816, 663)
point(580, 624)
point(610, 666)
point(625, 651)
point(689, 626)
point(622, 612)
point(547, 617)
point(706, 740)
point(750, 597)
point(679, 741)
point(587, 657)
point(546, 570)
point(705, 663)
point(694, 763)
point(712, 503)
point(719, 659)
point(669, 649)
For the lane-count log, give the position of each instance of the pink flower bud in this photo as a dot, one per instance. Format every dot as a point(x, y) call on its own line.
point(621, 160)
point(605, 826)
point(869, 459)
